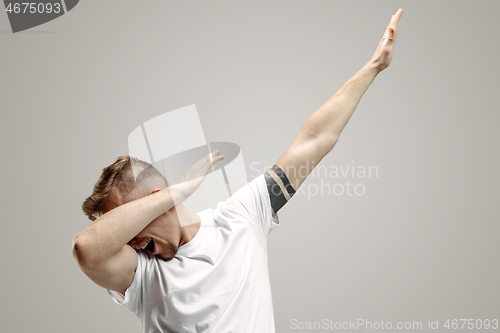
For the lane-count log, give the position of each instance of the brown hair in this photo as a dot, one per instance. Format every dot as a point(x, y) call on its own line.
point(122, 175)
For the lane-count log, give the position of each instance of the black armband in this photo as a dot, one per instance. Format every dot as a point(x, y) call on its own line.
point(276, 195)
point(288, 187)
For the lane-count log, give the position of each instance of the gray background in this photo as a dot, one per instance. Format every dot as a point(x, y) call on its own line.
point(421, 244)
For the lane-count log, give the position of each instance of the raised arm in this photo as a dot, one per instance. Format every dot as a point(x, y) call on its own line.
point(321, 131)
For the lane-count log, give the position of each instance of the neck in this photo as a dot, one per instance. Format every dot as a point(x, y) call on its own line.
point(189, 221)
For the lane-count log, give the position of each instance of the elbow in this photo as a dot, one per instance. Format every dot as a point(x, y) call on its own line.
point(81, 251)
point(77, 248)
point(327, 142)
point(333, 141)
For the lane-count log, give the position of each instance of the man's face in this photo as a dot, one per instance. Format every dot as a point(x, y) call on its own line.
point(161, 237)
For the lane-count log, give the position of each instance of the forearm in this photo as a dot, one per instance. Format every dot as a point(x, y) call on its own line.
point(326, 123)
point(109, 233)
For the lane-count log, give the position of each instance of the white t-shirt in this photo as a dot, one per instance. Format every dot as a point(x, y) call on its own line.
point(217, 282)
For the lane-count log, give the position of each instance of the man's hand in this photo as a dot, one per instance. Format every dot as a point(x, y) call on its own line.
point(383, 54)
point(194, 176)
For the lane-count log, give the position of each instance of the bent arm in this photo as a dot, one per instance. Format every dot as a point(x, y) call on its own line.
point(105, 236)
point(102, 249)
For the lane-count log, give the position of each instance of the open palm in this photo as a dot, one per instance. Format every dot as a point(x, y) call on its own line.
point(383, 54)
point(194, 176)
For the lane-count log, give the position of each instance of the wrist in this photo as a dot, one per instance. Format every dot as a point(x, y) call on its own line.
point(178, 193)
point(372, 68)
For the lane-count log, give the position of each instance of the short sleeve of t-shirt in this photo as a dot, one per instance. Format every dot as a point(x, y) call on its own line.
point(133, 295)
point(255, 201)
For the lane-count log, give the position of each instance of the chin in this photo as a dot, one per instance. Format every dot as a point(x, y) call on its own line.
point(169, 256)
point(165, 259)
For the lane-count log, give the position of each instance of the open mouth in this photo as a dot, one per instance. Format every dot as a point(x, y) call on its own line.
point(151, 246)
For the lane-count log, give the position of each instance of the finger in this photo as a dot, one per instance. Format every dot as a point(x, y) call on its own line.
point(214, 156)
point(391, 24)
point(391, 27)
point(386, 32)
point(395, 17)
point(217, 159)
point(210, 155)
point(390, 34)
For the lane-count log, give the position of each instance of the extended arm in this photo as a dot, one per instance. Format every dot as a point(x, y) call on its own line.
point(321, 131)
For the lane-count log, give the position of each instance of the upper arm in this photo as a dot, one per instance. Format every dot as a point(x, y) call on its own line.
point(251, 204)
point(296, 164)
point(116, 273)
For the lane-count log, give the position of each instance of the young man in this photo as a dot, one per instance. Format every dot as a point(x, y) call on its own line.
point(179, 271)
